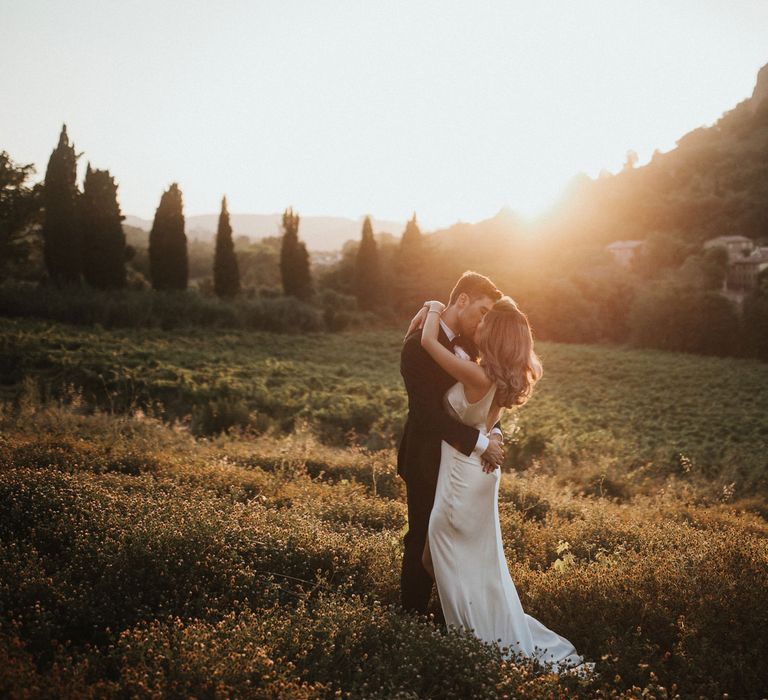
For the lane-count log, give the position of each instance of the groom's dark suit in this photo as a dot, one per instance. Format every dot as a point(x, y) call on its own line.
point(418, 459)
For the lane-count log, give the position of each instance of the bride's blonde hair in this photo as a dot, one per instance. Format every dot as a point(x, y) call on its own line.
point(507, 355)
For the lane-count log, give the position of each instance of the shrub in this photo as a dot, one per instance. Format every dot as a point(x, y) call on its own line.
point(167, 310)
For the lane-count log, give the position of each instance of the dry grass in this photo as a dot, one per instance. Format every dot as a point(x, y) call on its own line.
point(138, 560)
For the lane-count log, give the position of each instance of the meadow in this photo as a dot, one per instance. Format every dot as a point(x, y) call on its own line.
point(217, 514)
point(604, 408)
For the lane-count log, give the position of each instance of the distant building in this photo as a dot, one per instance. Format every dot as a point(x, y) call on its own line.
point(737, 246)
point(324, 258)
point(743, 272)
point(745, 260)
point(624, 251)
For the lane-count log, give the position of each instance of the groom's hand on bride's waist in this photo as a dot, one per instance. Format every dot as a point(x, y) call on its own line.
point(493, 456)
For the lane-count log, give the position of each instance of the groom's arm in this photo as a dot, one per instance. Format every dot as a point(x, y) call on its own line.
point(426, 407)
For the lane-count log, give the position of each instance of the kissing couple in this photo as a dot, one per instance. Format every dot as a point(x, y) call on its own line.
point(462, 366)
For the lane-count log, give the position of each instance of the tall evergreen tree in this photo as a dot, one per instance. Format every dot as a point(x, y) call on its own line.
point(168, 266)
point(409, 267)
point(104, 252)
point(368, 282)
point(294, 259)
point(61, 233)
point(411, 241)
point(226, 276)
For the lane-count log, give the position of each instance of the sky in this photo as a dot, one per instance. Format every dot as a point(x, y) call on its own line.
point(452, 110)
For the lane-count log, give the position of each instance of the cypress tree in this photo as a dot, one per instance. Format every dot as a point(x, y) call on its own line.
point(368, 289)
point(294, 259)
point(104, 252)
point(226, 276)
point(61, 234)
point(411, 241)
point(168, 266)
point(409, 267)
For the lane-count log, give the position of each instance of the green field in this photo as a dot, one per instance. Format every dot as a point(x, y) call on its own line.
point(145, 553)
point(600, 407)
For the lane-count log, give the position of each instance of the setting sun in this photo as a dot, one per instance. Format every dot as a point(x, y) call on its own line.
point(452, 110)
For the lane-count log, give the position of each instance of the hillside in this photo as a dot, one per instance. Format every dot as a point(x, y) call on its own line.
point(715, 182)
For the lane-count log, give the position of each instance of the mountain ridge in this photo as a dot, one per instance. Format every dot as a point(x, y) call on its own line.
point(320, 233)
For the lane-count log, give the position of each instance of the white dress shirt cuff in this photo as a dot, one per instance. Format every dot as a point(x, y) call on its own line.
point(482, 445)
point(497, 430)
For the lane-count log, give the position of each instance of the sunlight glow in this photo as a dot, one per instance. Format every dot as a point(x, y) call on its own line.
point(452, 110)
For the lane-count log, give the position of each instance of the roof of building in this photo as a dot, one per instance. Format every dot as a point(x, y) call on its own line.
point(757, 258)
point(719, 240)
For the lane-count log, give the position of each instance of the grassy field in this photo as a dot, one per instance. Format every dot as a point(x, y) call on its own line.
point(144, 553)
point(602, 409)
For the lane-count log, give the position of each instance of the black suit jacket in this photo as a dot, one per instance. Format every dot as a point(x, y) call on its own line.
point(428, 423)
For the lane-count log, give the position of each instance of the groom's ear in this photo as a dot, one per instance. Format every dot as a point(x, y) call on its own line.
point(462, 300)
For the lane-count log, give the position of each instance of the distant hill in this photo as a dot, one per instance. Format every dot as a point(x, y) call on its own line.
point(318, 232)
point(502, 229)
point(715, 182)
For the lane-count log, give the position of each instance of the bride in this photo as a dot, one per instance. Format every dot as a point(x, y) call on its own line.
point(463, 551)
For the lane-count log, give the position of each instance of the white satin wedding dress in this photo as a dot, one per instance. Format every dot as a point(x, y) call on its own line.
point(473, 581)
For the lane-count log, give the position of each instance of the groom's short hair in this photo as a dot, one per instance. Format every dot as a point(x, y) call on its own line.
point(474, 285)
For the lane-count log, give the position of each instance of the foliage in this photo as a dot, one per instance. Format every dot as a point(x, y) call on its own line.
point(61, 233)
point(755, 319)
point(168, 264)
point(714, 183)
point(661, 252)
point(103, 239)
point(410, 268)
point(368, 281)
point(20, 206)
point(706, 269)
point(294, 260)
point(259, 263)
point(339, 310)
point(669, 316)
point(145, 309)
point(559, 312)
point(138, 561)
point(226, 276)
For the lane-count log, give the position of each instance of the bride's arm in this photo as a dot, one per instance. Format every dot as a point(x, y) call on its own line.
point(469, 373)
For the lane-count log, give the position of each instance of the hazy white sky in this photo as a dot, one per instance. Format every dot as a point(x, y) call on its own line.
point(451, 109)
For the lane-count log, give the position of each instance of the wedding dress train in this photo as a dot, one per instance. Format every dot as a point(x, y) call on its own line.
point(473, 580)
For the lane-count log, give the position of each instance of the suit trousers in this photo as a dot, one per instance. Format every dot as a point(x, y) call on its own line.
point(415, 583)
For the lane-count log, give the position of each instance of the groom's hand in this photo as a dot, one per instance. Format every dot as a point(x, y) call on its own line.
point(494, 455)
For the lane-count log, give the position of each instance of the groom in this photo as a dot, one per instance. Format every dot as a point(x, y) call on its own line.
point(428, 423)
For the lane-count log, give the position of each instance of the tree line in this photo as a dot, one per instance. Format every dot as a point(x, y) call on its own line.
point(572, 291)
point(83, 237)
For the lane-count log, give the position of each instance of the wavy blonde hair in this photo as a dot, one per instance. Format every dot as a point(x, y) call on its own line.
point(507, 355)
